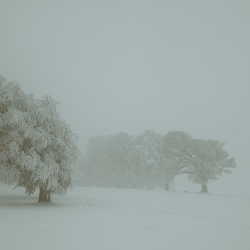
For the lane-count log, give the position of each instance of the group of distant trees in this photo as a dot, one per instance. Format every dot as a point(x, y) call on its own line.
point(37, 148)
point(151, 160)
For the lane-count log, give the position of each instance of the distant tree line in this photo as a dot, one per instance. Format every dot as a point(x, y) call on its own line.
point(37, 148)
point(151, 160)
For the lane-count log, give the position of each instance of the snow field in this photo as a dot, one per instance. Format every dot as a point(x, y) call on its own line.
point(99, 218)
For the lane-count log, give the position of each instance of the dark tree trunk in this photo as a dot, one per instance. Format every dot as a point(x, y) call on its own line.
point(44, 196)
point(167, 187)
point(204, 188)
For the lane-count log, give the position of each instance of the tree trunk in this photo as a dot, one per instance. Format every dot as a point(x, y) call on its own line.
point(204, 188)
point(44, 196)
point(167, 187)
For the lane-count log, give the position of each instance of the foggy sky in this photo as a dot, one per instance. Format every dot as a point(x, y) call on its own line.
point(128, 66)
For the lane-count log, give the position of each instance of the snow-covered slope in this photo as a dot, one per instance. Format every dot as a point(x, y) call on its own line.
point(99, 219)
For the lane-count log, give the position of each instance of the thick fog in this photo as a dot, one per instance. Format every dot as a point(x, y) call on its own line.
point(128, 66)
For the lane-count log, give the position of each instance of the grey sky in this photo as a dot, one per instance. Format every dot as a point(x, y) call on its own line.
point(128, 66)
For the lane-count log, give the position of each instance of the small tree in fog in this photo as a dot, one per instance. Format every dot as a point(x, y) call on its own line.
point(201, 160)
point(209, 161)
point(37, 148)
point(116, 161)
point(162, 172)
point(124, 158)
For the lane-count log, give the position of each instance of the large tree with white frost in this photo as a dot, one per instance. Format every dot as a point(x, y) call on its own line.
point(201, 160)
point(37, 148)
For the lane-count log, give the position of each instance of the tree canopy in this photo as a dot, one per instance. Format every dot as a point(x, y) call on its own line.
point(37, 148)
point(201, 160)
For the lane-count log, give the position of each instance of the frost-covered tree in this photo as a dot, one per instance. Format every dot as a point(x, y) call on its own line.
point(13, 104)
point(162, 174)
point(127, 156)
point(201, 160)
point(209, 161)
point(177, 147)
point(37, 147)
point(115, 161)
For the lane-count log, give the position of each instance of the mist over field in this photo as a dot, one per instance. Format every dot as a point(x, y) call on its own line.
point(137, 65)
point(155, 97)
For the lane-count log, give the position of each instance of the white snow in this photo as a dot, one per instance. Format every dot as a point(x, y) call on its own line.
point(99, 219)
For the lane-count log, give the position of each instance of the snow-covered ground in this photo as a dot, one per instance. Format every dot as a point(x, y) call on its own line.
point(99, 218)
